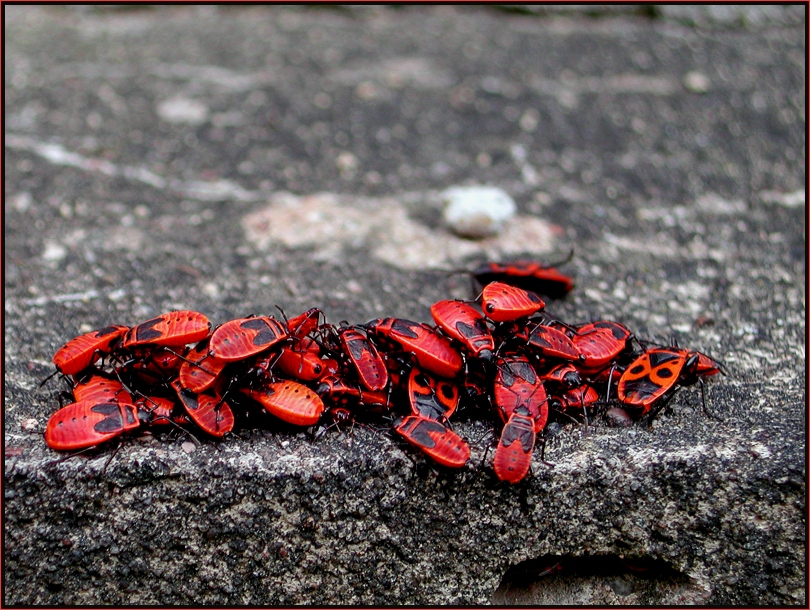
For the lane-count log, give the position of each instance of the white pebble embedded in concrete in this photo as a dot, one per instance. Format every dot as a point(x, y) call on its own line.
point(54, 252)
point(182, 110)
point(30, 425)
point(696, 82)
point(477, 211)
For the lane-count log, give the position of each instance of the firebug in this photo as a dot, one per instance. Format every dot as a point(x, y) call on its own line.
point(432, 351)
point(210, 412)
point(513, 456)
point(465, 324)
point(173, 329)
point(79, 353)
point(441, 444)
point(505, 303)
point(528, 275)
point(289, 401)
point(244, 337)
point(88, 423)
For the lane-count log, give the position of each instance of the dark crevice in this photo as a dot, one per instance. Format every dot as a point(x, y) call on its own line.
point(549, 579)
point(588, 565)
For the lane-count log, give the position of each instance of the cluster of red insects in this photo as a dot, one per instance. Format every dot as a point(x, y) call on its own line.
point(510, 357)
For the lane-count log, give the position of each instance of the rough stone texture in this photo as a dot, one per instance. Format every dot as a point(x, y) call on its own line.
point(149, 156)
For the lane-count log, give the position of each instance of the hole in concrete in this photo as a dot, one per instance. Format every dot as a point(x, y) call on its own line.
point(598, 579)
point(54, 587)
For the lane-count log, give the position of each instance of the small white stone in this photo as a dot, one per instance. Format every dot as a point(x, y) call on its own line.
point(696, 82)
point(117, 295)
point(529, 120)
point(54, 252)
point(142, 211)
point(22, 201)
point(29, 425)
point(188, 447)
point(346, 162)
point(211, 289)
point(182, 110)
point(477, 211)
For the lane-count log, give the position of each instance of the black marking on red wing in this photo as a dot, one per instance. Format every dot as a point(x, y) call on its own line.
point(571, 378)
point(507, 378)
point(619, 332)
point(659, 357)
point(356, 348)
point(254, 324)
point(422, 380)
point(526, 372)
point(106, 408)
point(264, 337)
point(477, 334)
point(519, 429)
point(521, 369)
point(481, 326)
point(146, 332)
point(468, 331)
point(538, 337)
point(112, 421)
point(533, 297)
point(420, 432)
point(189, 399)
point(107, 331)
point(129, 415)
point(639, 390)
point(405, 327)
point(428, 407)
point(447, 390)
point(548, 339)
point(267, 334)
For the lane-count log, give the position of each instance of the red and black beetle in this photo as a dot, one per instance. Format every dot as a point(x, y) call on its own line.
point(432, 351)
point(528, 275)
point(466, 325)
point(83, 351)
point(438, 442)
point(173, 329)
point(88, 423)
point(245, 337)
point(505, 303)
point(513, 456)
point(210, 412)
point(290, 401)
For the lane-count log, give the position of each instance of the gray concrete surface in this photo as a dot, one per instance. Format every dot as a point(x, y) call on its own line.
point(228, 159)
